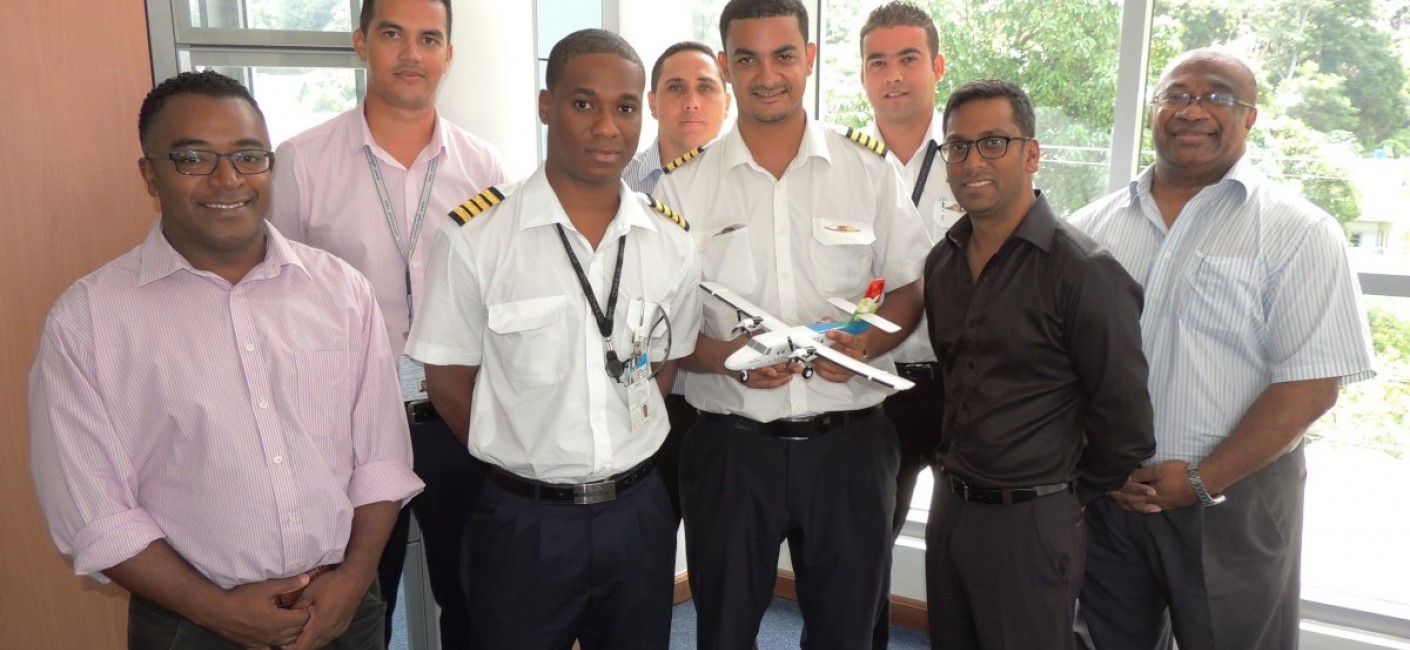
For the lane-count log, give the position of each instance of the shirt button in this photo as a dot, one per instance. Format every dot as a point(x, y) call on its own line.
point(278, 460)
point(263, 404)
point(1166, 256)
point(250, 347)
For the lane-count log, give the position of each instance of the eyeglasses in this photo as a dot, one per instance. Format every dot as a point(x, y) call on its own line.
point(1177, 101)
point(199, 162)
point(990, 148)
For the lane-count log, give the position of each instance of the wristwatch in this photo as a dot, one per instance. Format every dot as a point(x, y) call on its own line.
point(1206, 499)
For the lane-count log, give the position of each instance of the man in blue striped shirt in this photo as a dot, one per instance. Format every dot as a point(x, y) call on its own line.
point(1253, 320)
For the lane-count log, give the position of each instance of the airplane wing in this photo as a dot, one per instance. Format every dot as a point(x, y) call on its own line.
point(862, 369)
point(881, 323)
point(744, 306)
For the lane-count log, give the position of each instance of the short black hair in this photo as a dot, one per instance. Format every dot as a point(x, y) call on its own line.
point(750, 9)
point(1023, 114)
point(902, 14)
point(206, 82)
point(695, 46)
point(586, 41)
point(364, 18)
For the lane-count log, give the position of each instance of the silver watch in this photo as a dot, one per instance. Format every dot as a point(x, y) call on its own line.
point(1205, 498)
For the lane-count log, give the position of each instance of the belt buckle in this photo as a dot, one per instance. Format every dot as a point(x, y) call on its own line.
point(586, 494)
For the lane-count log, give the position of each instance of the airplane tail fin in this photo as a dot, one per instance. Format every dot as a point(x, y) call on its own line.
point(871, 301)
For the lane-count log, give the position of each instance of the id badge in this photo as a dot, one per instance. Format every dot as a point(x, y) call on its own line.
point(413, 379)
point(639, 391)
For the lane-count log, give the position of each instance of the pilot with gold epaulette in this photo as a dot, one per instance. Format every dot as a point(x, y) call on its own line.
point(555, 310)
point(788, 212)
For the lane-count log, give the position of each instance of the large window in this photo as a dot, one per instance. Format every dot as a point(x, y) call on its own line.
point(295, 57)
point(1332, 125)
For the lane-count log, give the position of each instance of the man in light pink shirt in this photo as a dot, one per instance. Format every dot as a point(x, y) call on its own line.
point(214, 416)
point(372, 186)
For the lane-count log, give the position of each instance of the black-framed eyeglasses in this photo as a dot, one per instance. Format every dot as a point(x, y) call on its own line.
point(200, 162)
point(990, 148)
point(1176, 101)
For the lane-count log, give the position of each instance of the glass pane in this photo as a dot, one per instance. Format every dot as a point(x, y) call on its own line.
point(559, 18)
point(1358, 469)
point(1062, 52)
point(295, 99)
point(299, 15)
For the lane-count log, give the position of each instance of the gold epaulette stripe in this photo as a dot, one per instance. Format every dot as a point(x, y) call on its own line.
point(685, 157)
point(866, 141)
point(468, 210)
point(669, 213)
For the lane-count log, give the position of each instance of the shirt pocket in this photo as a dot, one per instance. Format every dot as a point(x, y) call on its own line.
point(530, 337)
point(324, 392)
point(841, 255)
point(1226, 295)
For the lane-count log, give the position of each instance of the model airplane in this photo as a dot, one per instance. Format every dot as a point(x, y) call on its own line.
point(803, 343)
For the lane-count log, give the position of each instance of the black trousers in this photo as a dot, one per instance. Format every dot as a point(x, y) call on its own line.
point(1003, 577)
point(153, 627)
point(453, 477)
point(916, 413)
point(745, 492)
point(548, 572)
point(668, 459)
point(1227, 577)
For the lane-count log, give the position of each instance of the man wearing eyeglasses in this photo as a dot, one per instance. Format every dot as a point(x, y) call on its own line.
point(370, 186)
point(1037, 332)
point(1253, 319)
point(901, 63)
point(214, 417)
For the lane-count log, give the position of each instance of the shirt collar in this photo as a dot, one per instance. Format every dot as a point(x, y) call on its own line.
point(933, 133)
point(814, 143)
point(540, 207)
point(361, 136)
point(1038, 226)
point(160, 260)
point(1243, 177)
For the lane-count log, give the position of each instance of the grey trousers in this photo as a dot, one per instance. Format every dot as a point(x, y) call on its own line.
point(1227, 577)
point(152, 627)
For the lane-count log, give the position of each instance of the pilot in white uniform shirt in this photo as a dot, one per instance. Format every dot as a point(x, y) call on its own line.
point(501, 294)
point(788, 245)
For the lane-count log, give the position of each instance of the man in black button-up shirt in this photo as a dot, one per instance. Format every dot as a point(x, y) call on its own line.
point(1038, 336)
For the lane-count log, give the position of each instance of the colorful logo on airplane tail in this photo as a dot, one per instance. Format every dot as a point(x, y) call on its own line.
point(872, 300)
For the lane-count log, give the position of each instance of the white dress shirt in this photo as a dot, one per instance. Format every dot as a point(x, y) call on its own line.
point(838, 218)
point(502, 295)
point(938, 211)
point(1249, 287)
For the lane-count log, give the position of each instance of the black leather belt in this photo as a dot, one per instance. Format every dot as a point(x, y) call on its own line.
point(421, 411)
point(1004, 496)
point(917, 371)
point(579, 493)
point(796, 428)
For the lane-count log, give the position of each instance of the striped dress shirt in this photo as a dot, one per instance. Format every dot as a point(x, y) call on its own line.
point(1249, 287)
point(242, 424)
point(644, 169)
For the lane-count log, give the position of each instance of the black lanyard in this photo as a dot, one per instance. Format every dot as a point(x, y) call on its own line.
point(925, 172)
point(930, 149)
point(604, 322)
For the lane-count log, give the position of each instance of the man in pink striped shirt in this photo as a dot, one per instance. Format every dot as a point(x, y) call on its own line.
point(215, 420)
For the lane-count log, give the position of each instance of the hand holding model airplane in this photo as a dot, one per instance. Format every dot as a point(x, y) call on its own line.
point(782, 343)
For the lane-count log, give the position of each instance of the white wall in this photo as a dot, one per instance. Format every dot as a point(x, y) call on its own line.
point(491, 88)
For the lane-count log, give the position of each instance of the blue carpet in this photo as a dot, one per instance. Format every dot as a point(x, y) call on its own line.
point(779, 630)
